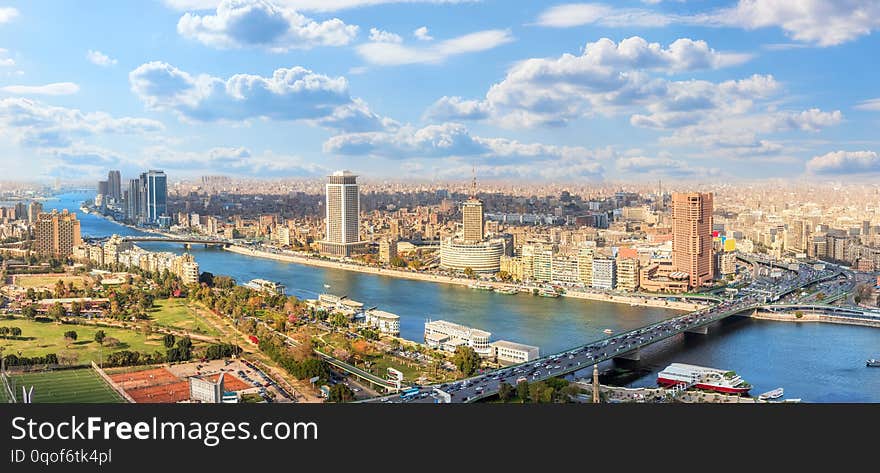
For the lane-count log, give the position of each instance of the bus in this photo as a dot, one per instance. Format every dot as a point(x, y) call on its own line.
point(411, 392)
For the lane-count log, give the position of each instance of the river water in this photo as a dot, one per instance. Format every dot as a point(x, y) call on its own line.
point(812, 361)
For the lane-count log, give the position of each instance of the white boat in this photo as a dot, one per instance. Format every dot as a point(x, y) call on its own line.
point(797, 399)
point(701, 377)
point(608, 331)
point(774, 394)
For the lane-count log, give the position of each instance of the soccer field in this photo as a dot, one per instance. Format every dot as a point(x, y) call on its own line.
point(63, 386)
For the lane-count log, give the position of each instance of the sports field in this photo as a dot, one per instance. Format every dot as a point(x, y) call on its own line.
point(41, 338)
point(174, 313)
point(65, 386)
point(46, 281)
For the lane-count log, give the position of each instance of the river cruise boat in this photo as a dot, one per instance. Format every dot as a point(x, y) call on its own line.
point(482, 287)
point(506, 290)
point(701, 377)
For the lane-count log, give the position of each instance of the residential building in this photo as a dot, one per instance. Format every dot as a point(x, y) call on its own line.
point(692, 236)
point(56, 234)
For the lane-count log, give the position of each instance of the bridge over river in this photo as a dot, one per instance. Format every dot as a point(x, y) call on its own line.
point(624, 345)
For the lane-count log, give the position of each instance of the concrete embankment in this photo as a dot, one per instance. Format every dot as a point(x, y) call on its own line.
point(808, 316)
point(394, 273)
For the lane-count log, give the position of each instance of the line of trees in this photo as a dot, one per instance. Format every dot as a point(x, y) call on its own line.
point(550, 390)
point(6, 332)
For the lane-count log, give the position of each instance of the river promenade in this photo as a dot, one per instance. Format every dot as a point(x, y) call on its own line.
point(418, 276)
point(808, 316)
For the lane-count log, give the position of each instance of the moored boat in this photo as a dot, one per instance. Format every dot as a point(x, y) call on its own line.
point(701, 377)
point(548, 293)
point(873, 363)
point(507, 290)
point(774, 394)
point(608, 331)
point(481, 287)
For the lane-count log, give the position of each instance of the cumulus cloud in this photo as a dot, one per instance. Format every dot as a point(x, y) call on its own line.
point(388, 53)
point(813, 22)
point(292, 93)
point(380, 36)
point(57, 88)
point(308, 5)
point(421, 33)
point(100, 59)
point(34, 124)
point(259, 23)
point(845, 162)
point(604, 78)
point(453, 140)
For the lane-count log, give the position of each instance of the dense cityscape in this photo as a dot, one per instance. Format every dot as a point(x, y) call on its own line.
point(768, 252)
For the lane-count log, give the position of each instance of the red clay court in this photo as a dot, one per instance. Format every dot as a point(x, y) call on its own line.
point(158, 385)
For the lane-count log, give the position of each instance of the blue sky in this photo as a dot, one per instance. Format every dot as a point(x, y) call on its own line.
point(526, 90)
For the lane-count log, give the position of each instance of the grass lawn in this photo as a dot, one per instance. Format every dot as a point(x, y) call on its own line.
point(42, 338)
point(47, 281)
point(174, 313)
point(65, 386)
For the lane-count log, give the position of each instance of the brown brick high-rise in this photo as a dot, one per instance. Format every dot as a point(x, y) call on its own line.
point(692, 236)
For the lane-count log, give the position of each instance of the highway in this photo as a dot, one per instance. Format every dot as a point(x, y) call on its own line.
point(759, 293)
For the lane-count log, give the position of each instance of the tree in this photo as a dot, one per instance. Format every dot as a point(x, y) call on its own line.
point(469, 272)
point(29, 311)
point(340, 393)
point(466, 360)
point(168, 340)
point(4, 331)
point(16, 331)
point(76, 308)
point(100, 336)
point(522, 390)
point(57, 311)
point(505, 392)
point(70, 336)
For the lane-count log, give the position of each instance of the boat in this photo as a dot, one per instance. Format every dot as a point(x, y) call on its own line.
point(481, 287)
point(608, 331)
point(548, 293)
point(701, 377)
point(873, 363)
point(506, 290)
point(795, 399)
point(774, 394)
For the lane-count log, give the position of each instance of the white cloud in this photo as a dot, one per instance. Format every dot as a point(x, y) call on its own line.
point(57, 88)
point(663, 165)
point(100, 59)
point(292, 93)
point(392, 54)
point(421, 33)
point(845, 162)
point(259, 23)
point(309, 5)
point(604, 78)
point(870, 104)
point(34, 124)
point(380, 36)
point(822, 23)
point(239, 161)
point(8, 14)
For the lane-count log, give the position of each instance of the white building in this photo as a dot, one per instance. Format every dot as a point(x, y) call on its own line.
point(481, 257)
point(604, 274)
point(385, 322)
point(448, 335)
point(513, 352)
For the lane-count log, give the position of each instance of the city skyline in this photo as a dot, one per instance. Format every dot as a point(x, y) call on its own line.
point(638, 91)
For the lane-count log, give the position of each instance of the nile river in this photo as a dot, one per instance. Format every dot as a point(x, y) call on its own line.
point(813, 361)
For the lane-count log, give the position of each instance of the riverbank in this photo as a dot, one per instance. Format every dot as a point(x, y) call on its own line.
point(815, 317)
point(417, 276)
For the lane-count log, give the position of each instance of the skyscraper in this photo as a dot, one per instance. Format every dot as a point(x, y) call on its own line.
point(472, 217)
point(692, 236)
point(34, 210)
point(133, 204)
point(114, 186)
point(55, 234)
point(103, 188)
point(155, 195)
point(342, 214)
